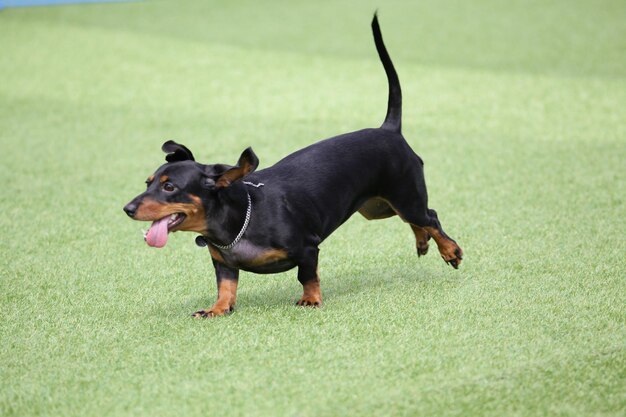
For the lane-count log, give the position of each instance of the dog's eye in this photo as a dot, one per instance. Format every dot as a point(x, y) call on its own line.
point(169, 187)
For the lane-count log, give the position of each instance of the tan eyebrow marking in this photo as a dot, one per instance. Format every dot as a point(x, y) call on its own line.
point(150, 179)
point(163, 179)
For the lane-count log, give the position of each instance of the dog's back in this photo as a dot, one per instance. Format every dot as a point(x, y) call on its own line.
point(341, 173)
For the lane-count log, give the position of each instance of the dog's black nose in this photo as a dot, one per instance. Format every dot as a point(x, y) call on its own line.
point(130, 209)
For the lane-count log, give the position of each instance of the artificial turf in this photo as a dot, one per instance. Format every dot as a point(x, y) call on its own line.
point(518, 110)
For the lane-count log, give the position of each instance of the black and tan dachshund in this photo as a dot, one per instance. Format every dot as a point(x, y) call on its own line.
point(274, 219)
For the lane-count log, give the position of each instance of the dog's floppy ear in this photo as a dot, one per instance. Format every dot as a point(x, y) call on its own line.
point(176, 152)
point(247, 163)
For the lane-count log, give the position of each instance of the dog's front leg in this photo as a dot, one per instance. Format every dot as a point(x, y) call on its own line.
point(308, 275)
point(227, 279)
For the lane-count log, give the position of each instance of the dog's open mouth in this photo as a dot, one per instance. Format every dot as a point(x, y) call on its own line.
point(157, 235)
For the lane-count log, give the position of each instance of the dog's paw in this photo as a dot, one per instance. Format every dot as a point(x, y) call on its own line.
point(213, 312)
point(421, 239)
point(309, 302)
point(453, 257)
point(422, 248)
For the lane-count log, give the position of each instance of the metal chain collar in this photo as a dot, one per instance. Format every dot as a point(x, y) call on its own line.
point(241, 232)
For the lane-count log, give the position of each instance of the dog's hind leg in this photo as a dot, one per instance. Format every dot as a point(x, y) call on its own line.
point(450, 251)
point(421, 239)
point(428, 224)
point(411, 206)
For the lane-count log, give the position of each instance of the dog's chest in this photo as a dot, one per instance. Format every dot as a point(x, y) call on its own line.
point(250, 257)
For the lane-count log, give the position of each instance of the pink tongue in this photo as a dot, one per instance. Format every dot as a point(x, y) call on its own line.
point(157, 235)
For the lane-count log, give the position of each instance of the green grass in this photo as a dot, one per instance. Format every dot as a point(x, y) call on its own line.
point(518, 109)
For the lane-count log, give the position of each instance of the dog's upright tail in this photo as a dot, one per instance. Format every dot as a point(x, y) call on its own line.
point(393, 119)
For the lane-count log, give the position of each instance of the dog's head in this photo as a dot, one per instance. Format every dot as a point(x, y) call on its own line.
point(183, 194)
